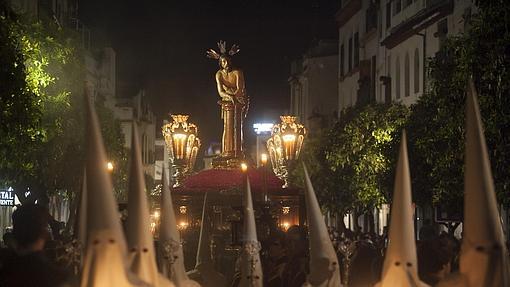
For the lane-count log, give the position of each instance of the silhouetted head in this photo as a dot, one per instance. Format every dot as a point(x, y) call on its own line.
point(30, 224)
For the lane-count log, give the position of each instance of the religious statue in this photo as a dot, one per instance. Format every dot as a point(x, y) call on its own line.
point(234, 102)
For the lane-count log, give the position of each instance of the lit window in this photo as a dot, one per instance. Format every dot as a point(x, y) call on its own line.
point(397, 78)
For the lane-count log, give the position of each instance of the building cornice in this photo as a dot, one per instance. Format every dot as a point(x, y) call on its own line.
point(418, 22)
point(345, 13)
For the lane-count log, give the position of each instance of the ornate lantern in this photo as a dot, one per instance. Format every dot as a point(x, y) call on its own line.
point(285, 145)
point(182, 144)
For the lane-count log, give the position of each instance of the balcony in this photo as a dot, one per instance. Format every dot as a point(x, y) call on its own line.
point(434, 10)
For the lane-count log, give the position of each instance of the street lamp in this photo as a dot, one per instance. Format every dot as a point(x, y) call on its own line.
point(109, 166)
point(182, 143)
point(263, 160)
point(285, 145)
point(244, 167)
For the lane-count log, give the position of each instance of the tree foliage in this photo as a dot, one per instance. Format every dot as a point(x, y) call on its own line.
point(437, 122)
point(352, 163)
point(325, 182)
point(362, 151)
point(20, 107)
point(43, 119)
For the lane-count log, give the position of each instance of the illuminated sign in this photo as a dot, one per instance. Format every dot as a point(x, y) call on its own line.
point(262, 128)
point(7, 197)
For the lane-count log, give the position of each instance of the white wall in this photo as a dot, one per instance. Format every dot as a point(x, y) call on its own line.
point(320, 86)
point(313, 85)
point(399, 52)
point(348, 85)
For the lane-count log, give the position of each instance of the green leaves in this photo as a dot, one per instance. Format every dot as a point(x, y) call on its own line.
point(42, 115)
point(20, 115)
point(352, 162)
point(362, 150)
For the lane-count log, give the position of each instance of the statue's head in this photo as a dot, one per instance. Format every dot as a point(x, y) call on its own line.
point(225, 61)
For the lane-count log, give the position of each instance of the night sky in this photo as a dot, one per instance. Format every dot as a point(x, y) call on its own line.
point(160, 46)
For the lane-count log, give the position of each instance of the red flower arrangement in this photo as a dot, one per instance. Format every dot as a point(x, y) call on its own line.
point(225, 179)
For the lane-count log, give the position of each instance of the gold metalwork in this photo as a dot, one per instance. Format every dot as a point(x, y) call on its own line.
point(182, 144)
point(285, 145)
point(285, 209)
point(234, 106)
point(182, 225)
point(183, 209)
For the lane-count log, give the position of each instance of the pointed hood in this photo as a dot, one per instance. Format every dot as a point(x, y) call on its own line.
point(100, 201)
point(105, 257)
point(324, 267)
point(139, 237)
point(251, 268)
point(204, 272)
point(483, 259)
point(203, 251)
point(400, 267)
point(170, 241)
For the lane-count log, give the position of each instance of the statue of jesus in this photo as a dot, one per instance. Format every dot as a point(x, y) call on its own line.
point(234, 102)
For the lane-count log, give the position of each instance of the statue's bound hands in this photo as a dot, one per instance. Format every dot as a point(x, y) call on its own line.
point(227, 98)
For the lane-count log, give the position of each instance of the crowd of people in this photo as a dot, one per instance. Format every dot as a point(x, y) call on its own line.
point(361, 255)
point(30, 254)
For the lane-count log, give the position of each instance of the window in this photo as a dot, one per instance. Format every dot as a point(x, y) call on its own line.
point(144, 147)
point(416, 71)
point(389, 66)
point(371, 17)
point(379, 23)
point(442, 31)
point(372, 77)
point(387, 82)
point(398, 7)
point(350, 54)
point(356, 50)
point(342, 60)
point(388, 14)
point(467, 18)
point(397, 78)
point(407, 76)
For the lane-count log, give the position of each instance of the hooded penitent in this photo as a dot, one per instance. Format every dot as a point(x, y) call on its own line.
point(105, 257)
point(172, 263)
point(140, 243)
point(324, 267)
point(400, 264)
point(251, 268)
point(483, 258)
point(204, 272)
